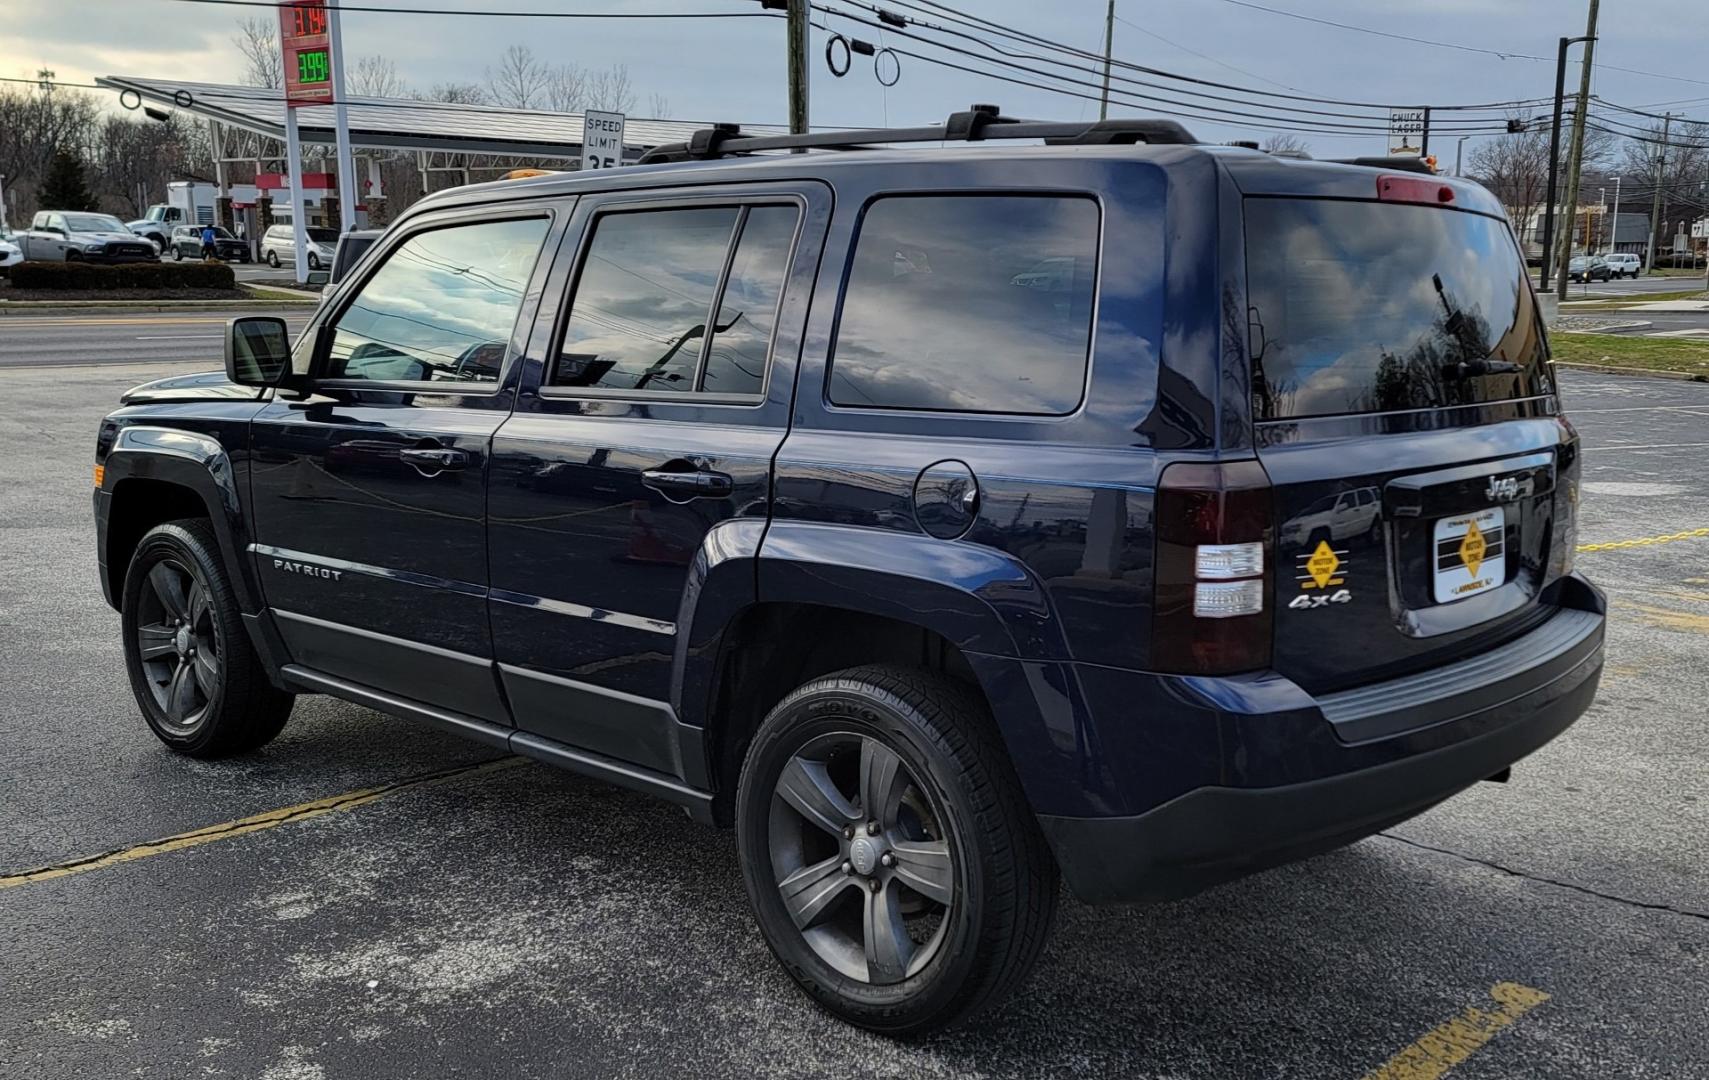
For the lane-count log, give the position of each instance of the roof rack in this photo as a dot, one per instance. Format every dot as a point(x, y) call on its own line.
point(978, 124)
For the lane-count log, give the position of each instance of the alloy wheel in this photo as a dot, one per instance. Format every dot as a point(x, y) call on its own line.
point(862, 858)
point(177, 643)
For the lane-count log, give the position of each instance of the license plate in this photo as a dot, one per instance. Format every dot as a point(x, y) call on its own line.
point(1470, 554)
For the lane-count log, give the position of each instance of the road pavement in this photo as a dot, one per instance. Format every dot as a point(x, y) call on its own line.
point(516, 921)
point(53, 340)
point(1633, 287)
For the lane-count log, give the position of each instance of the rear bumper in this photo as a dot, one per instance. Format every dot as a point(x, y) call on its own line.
point(1349, 764)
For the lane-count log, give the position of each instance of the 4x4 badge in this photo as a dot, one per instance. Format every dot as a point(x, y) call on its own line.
point(1318, 571)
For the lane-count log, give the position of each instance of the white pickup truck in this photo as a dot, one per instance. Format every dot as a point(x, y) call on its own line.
point(76, 236)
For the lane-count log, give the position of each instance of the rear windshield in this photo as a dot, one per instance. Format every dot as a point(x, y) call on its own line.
point(1362, 307)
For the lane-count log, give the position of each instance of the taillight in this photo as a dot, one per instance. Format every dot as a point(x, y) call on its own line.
point(1565, 542)
point(1414, 189)
point(1213, 569)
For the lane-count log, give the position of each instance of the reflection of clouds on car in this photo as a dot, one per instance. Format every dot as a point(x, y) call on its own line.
point(430, 314)
point(1371, 305)
point(1004, 290)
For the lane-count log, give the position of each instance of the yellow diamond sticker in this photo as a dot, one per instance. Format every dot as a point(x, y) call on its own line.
point(1472, 548)
point(1322, 564)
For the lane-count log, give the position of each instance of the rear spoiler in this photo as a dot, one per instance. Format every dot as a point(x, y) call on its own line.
point(1402, 162)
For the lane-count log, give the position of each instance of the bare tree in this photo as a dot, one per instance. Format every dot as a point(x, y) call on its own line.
point(258, 40)
point(375, 76)
point(566, 89)
point(1679, 168)
point(609, 89)
point(457, 93)
point(658, 106)
point(520, 80)
point(1285, 142)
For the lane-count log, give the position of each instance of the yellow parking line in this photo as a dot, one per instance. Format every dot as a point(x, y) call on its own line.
point(1689, 534)
point(243, 826)
point(1446, 1045)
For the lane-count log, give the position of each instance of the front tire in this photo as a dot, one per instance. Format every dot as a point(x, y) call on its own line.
point(314, 261)
point(892, 862)
point(193, 671)
point(177, 254)
point(273, 259)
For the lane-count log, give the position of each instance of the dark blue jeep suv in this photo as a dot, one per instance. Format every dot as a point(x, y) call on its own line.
point(1070, 500)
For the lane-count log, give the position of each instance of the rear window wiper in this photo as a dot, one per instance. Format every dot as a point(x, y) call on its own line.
point(1467, 369)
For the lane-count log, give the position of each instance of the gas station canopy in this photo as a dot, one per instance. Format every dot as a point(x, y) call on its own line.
point(398, 123)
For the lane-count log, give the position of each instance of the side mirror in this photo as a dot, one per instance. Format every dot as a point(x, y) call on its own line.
point(257, 350)
point(319, 277)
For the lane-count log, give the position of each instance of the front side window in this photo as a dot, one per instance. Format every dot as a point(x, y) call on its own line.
point(969, 304)
point(442, 307)
point(642, 315)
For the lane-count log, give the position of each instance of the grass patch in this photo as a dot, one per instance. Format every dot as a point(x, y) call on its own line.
point(1639, 353)
point(1619, 302)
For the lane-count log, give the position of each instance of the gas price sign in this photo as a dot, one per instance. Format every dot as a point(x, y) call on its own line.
point(307, 51)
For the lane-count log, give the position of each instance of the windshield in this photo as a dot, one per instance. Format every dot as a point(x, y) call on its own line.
point(323, 236)
point(1373, 307)
point(94, 223)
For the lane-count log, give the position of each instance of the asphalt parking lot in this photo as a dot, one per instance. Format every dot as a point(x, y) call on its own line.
point(500, 919)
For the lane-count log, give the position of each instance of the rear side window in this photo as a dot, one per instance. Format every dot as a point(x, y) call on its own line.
point(642, 317)
point(442, 307)
point(969, 304)
point(1362, 307)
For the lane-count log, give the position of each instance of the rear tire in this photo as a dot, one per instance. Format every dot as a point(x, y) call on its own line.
point(195, 675)
point(936, 910)
point(177, 254)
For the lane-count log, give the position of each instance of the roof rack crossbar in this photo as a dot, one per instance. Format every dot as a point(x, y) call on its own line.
point(977, 124)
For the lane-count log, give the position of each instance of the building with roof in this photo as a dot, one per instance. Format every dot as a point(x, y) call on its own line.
point(447, 143)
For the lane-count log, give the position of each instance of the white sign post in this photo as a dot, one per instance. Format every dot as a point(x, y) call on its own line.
point(602, 139)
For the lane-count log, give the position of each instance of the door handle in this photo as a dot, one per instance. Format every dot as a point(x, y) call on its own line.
point(699, 484)
point(432, 460)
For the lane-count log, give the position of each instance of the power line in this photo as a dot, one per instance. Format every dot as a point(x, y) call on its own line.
point(1386, 33)
point(273, 5)
point(1449, 44)
point(1205, 56)
point(966, 19)
point(1172, 107)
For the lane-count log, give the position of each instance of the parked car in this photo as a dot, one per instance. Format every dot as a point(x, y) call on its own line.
point(157, 231)
point(279, 245)
point(924, 517)
point(1622, 264)
point(351, 247)
point(1589, 268)
point(187, 244)
point(75, 236)
point(10, 254)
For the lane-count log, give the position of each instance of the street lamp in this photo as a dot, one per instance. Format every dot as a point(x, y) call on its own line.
point(1459, 144)
point(1614, 242)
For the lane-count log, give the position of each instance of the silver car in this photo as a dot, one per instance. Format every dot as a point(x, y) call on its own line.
point(279, 246)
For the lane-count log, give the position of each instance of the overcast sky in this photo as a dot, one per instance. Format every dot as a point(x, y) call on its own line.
point(733, 69)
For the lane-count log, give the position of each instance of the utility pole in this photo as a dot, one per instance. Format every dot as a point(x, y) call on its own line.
point(1545, 276)
point(1109, 45)
point(1656, 200)
point(1575, 158)
point(797, 34)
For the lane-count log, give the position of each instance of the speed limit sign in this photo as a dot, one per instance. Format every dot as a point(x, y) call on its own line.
point(602, 139)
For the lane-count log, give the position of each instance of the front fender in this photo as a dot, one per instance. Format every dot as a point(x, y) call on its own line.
point(189, 460)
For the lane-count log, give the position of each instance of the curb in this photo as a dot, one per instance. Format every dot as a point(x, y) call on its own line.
point(1605, 369)
point(1611, 328)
